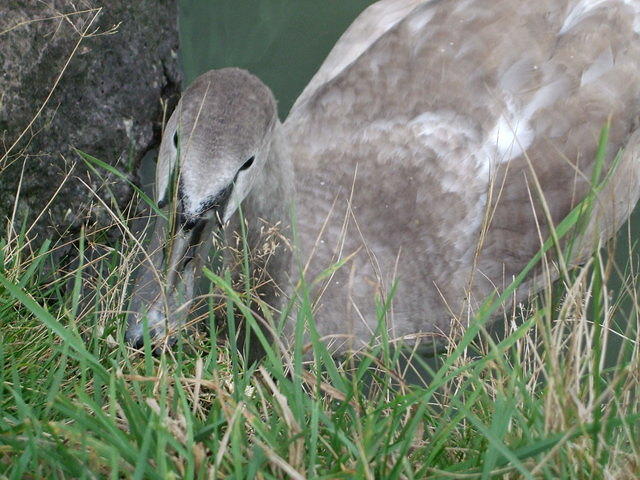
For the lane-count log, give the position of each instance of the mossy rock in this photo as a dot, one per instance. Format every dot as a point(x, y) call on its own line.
point(107, 103)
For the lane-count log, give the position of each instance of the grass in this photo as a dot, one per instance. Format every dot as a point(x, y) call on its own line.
point(553, 396)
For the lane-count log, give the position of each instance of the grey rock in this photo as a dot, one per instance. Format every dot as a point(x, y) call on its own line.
point(107, 103)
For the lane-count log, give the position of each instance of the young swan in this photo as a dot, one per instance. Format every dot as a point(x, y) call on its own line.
point(421, 149)
point(215, 142)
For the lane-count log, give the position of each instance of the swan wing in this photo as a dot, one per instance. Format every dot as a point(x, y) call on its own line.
point(432, 135)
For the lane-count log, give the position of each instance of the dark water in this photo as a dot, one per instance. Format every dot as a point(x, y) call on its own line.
point(284, 42)
point(281, 41)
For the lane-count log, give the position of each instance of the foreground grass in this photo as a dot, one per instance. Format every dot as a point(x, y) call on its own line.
point(553, 396)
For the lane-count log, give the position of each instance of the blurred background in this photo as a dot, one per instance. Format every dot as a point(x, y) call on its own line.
point(281, 41)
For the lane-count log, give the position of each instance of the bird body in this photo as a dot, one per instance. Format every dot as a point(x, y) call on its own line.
point(428, 154)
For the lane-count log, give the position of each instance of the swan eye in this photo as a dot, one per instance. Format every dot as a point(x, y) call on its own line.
point(247, 164)
point(175, 139)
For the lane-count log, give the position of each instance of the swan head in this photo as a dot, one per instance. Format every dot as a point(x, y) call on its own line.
point(213, 147)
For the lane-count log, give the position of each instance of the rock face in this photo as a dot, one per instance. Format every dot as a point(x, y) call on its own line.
point(91, 75)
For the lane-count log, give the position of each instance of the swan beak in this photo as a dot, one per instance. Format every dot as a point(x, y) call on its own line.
point(164, 287)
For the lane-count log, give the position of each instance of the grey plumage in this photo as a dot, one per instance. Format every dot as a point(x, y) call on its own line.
point(414, 149)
